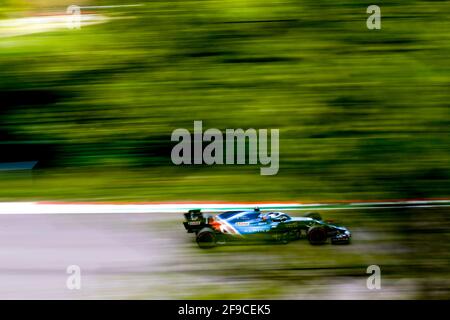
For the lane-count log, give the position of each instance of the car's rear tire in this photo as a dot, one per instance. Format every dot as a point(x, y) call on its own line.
point(206, 238)
point(317, 235)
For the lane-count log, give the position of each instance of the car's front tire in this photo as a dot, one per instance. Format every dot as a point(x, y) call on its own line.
point(206, 238)
point(317, 235)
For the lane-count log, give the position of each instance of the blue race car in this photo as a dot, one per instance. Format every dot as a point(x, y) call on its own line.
point(232, 226)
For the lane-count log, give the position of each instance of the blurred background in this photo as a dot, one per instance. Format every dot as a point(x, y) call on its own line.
point(363, 114)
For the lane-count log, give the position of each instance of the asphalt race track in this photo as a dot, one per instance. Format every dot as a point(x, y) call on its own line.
point(150, 256)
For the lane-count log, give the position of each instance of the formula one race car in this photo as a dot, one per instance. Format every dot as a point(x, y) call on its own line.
point(233, 226)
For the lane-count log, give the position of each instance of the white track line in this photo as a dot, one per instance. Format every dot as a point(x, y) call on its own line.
point(111, 6)
point(36, 208)
point(33, 25)
point(43, 208)
point(380, 207)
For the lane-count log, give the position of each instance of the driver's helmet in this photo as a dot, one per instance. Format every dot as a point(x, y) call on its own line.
point(272, 216)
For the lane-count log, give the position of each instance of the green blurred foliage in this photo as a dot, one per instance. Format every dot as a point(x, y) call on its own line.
point(362, 113)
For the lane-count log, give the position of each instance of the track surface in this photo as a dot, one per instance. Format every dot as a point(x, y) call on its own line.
point(150, 256)
point(116, 253)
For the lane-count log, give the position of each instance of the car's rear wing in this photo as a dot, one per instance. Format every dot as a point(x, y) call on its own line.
point(195, 220)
